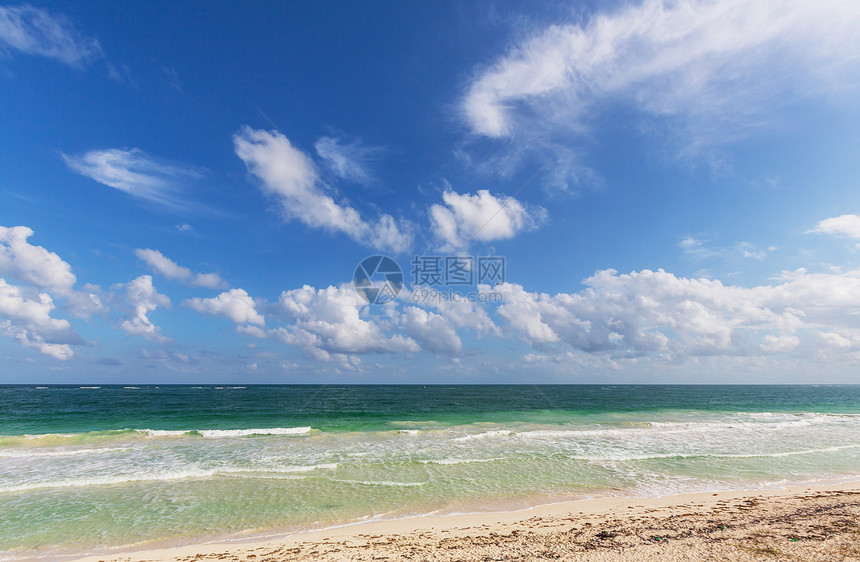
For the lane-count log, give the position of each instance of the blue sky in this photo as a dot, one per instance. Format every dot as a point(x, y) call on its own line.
point(186, 190)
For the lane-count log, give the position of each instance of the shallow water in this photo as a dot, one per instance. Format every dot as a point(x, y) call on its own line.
point(89, 469)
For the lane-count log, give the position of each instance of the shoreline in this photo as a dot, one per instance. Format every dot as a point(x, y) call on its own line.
point(487, 530)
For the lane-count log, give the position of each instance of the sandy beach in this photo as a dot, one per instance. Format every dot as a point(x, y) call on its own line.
point(800, 523)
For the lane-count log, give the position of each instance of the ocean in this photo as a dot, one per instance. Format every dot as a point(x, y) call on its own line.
point(98, 469)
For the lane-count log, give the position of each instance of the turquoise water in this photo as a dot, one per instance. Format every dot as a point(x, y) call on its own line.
point(96, 469)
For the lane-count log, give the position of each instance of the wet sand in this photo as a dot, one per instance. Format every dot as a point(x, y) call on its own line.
point(802, 523)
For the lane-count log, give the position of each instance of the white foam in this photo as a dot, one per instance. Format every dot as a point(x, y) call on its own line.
point(215, 433)
point(110, 480)
point(223, 433)
point(486, 435)
point(44, 435)
point(30, 453)
point(283, 472)
point(162, 432)
point(616, 457)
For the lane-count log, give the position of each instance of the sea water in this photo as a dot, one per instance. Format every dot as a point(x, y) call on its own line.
point(97, 469)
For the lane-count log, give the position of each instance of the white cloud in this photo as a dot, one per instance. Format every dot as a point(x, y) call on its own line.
point(30, 322)
point(326, 322)
point(35, 314)
point(779, 344)
point(835, 340)
point(695, 247)
point(431, 330)
point(290, 175)
point(170, 269)
point(482, 217)
point(719, 66)
point(45, 270)
point(844, 225)
point(33, 264)
point(329, 324)
point(349, 161)
point(235, 304)
point(36, 32)
point(142, 298)
point(87, 303)
point(133, 171)
point(657, 313)
point(26, 338)
point(460, 312)
point(702, 250)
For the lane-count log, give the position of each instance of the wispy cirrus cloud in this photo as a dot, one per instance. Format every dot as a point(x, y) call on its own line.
point(703, 250)
point(34, 31)
point(133, 171)
point(712, 69)
point(351, 160)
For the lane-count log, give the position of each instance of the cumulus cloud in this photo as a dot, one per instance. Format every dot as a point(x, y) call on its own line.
point(326, 323)
point(170, 269)
point(348, 160)
point(431, 330)
point(657, 313)
point(329, 323)
point(482, 217)
point(459, 312)
point(134, 172)
point(42, 269)
point(291, 176)
point(34, 31)
point(33, 264)
point(713, 66)
point(234, 304)
point(30, 322)
point(844, 225)
point(141, 298)
point(86, 303)
point(34, 340)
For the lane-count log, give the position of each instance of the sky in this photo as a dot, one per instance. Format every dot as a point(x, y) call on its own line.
point(574, 192)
